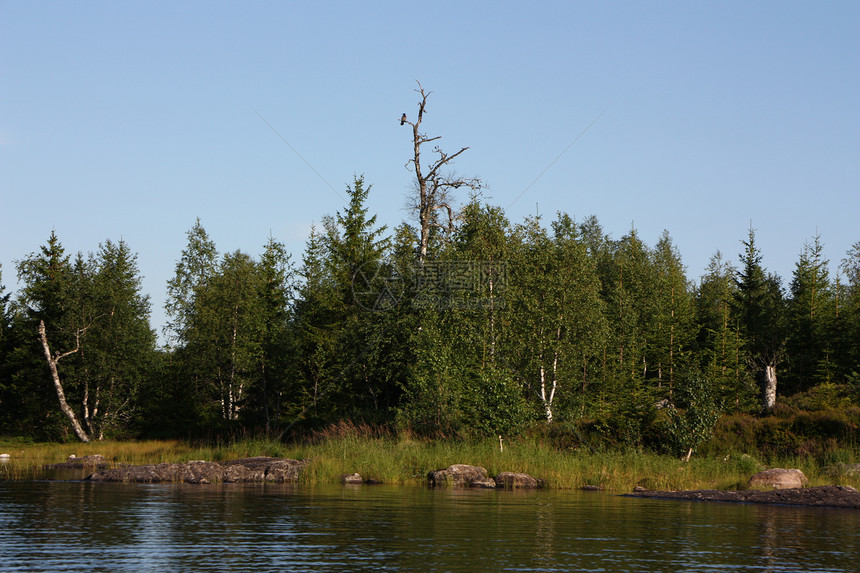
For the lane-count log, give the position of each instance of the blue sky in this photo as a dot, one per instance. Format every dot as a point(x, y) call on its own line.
point(128, 120)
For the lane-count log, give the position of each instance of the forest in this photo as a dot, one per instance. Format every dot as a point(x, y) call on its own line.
point(461, 324)
point(498, 329)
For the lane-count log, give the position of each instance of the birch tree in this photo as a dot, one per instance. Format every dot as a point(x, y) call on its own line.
point(223, 335)
point(91, 316)
point(198, 262)
point(557, 314)
point(53, 359)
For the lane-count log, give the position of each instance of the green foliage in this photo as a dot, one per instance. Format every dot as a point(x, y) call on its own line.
point(693, 420)
point(234, 347)
point(494, 405)
point(719, 350)
point(811, 312)
point(501, 329)
point(97, 320)
point(558, 327)
point(197, 263)
point(788, 432)
point(432, 389)
point(759, 309)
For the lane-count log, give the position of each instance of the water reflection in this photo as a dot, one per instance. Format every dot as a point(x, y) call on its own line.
point(72, 526)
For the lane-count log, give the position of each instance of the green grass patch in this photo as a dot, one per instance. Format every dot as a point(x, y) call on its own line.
point(404, 459)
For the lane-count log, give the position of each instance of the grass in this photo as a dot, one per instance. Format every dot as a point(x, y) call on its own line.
point(402, 459)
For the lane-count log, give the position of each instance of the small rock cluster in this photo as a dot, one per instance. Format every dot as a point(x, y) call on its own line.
point(95, 461)
point(356, 479)
point(462, 475)
point(248, 470)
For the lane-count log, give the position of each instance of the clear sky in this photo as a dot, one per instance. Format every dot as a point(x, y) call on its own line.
point(128, 120)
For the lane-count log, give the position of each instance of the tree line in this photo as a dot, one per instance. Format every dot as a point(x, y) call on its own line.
point(500, 327)
point(464, 325)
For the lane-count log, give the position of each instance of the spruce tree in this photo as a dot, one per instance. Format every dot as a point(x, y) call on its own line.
point(93, 325)
point(847, 339)
point(808, 346)
point(760, 311)
point(719, 351)
point(674, 312)
point(273, 389)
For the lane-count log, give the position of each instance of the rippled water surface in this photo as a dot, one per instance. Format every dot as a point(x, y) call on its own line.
point(81, 526)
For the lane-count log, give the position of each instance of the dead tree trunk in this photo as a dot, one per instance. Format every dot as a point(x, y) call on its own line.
point(53, 359)
point(433, 186)
point(769, 394)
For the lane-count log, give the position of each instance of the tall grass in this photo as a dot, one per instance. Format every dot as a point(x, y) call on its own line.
point(403, 459)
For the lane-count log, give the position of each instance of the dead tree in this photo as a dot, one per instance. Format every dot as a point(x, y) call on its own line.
point(433, 185)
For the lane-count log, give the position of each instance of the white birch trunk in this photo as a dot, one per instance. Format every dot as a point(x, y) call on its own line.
point(769, 387)
point(55, 376)
point(547, 399)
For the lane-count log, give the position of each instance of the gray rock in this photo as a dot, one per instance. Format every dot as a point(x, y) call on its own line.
point(95, 461)
point(460, 475)
point(778, 478)
point(483, 483)
point(511, 480)
point(820, 496)
point(261, 469)
point(351, 479)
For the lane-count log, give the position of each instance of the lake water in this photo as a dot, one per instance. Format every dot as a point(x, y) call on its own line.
point(81, 526)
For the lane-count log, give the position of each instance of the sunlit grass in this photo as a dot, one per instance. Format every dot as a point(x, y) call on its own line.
point(403, 459)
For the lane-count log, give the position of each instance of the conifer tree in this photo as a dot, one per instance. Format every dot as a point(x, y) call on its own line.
point(848, 335)
point(809, 310)
point(759, 309)
point(345, 276)
point(674, 312)
point(718, 342)
point(7, 387)
point(273, 387)
point(93, 325)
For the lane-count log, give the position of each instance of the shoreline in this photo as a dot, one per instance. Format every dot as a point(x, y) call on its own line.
point(396, 461)
point(285, 470)
point(834, 496)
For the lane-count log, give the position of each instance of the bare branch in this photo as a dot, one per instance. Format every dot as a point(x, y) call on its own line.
point(432, 187)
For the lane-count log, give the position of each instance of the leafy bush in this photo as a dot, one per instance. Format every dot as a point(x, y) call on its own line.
point(825, 396)
point(494, 405)
point(693, 421)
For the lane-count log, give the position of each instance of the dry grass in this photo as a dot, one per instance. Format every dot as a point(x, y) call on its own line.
point(402, 459)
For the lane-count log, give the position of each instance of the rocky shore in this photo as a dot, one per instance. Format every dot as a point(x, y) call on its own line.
point(463, 475)
point(247, 470)
point(820, 496)
point(776, 486)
